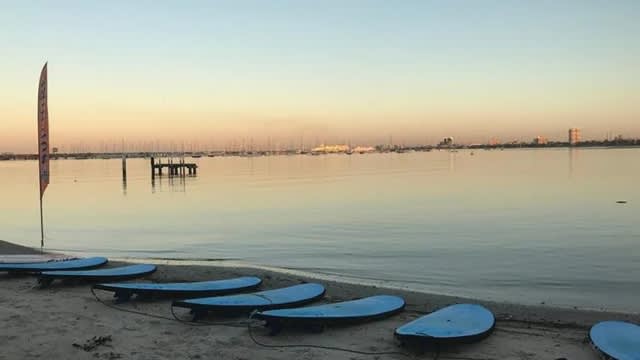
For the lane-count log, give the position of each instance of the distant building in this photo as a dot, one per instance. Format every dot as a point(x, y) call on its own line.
point(540, 140)
point(493, 142)
point(574, 136)
point(330, 149)
point(363, 149)
point(446, 142)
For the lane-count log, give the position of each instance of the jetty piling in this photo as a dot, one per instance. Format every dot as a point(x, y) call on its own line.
point(124, 174)
point(124, 167)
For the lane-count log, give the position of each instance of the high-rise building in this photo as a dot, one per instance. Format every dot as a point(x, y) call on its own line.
point(574, 136)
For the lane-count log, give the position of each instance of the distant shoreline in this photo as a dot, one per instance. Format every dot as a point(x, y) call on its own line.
point(631, 144)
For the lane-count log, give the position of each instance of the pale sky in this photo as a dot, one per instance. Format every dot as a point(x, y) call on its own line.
point(359, 71)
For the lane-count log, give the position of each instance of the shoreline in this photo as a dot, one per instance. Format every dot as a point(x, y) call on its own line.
point(91, 155)
point(47, 322)
point(544, 314)
point(562, 314)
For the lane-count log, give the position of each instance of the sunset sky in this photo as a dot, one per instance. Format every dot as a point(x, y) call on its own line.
point(203, 72)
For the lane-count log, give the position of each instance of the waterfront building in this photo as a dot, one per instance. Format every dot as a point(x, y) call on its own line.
point(363, 149)
point(446, 142)
point(331, 149)
point(540, 140)
point(574, 136)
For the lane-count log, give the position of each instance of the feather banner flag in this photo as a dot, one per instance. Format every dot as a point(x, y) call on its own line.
point(43, 131)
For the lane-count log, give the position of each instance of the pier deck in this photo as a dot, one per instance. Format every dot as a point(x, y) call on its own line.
point(173, 169)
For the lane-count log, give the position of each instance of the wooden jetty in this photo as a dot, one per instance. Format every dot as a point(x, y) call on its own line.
point(179, 168)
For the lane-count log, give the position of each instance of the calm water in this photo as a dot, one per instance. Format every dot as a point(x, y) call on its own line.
point(525, 226)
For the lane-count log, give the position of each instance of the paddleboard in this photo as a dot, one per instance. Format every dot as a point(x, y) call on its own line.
point(77, 264)
point(618, 340)
point(271, 299)
point(124, 291)
point(461, 323)
point(369, 308)
point(116, 273)
point(33, 258)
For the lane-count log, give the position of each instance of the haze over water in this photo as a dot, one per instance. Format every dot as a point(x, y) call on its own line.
point(525, 226)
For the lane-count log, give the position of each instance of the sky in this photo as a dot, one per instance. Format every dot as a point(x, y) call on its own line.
point(219, 73)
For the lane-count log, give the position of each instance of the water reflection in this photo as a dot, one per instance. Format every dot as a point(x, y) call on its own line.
point(124, 186)
point(177, 183)
point(452, 161)
point(573, 158)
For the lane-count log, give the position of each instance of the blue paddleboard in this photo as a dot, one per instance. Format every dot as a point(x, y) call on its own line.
point(271, 299)
point(453, 324)
point(617, 339)
point(116, 273)
point(368, 308)
point(76, 264)
point(182, 289)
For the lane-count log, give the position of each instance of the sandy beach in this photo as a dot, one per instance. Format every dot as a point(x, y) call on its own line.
point(46, 323)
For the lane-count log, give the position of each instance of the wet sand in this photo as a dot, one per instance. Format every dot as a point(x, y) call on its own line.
point(45, 323)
